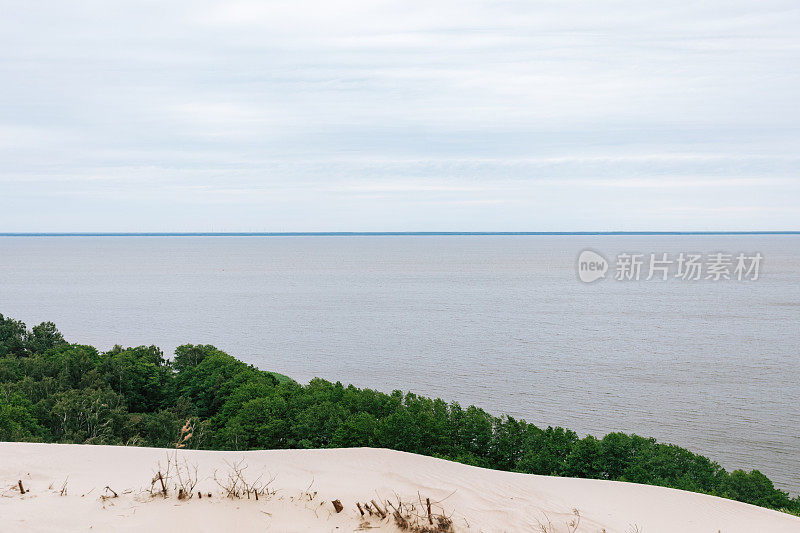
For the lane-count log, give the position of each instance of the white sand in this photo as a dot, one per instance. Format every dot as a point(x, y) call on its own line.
point(477, 499)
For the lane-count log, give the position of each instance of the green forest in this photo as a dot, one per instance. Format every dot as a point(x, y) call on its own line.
point(53, 391)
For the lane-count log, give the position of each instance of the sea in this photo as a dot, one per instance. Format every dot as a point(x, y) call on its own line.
point(503, 322)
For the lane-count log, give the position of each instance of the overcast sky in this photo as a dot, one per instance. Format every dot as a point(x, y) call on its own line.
point(408, 115)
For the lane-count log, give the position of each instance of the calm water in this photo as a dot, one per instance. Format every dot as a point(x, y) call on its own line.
point(498, 321)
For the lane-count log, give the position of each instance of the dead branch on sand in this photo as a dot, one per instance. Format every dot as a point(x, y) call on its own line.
point(236, 485)
point(412, 517)
point(571, 526)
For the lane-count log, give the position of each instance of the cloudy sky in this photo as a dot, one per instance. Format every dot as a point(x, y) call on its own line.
point(388, 116)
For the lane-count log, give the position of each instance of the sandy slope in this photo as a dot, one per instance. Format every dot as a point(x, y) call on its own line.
point(479, 500)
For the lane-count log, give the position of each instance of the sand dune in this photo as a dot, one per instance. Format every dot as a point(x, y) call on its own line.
point(306, 481)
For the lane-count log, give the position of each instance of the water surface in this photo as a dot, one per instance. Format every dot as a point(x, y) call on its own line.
point(501, 322)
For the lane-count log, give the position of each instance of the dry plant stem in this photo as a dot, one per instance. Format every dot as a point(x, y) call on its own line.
point(412, 517)
point(105, 495)
point(574, 524)
point(21, 488)
point(186, 481)
point(380, 511)
point(428, 503)
point(237, 485)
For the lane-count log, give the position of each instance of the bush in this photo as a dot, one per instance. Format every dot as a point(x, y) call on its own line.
point(17, 422)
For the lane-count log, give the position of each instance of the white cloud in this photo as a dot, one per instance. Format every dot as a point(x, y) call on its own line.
point(286, 114)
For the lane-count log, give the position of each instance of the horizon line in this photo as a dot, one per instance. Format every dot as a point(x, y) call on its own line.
point(383, 233)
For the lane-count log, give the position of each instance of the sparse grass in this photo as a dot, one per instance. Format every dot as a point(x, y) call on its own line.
point(571, 526)
point(185, 474)
point(236, 485)
point(176, 474)
point(416, 517)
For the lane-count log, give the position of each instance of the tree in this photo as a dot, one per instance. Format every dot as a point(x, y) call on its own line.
point(17, 423)
point(357, 430)
point(88, 416)
point(44, 337)
point(141, 375)
point(190, 355)
point(547, 451)
point(756, 488)
point(260, 423)
point(208, 384)
point(12, 337)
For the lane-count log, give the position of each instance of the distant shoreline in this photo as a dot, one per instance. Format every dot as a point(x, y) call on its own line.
point(388, 233)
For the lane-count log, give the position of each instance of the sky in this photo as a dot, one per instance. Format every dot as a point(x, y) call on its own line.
point(399, 115)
